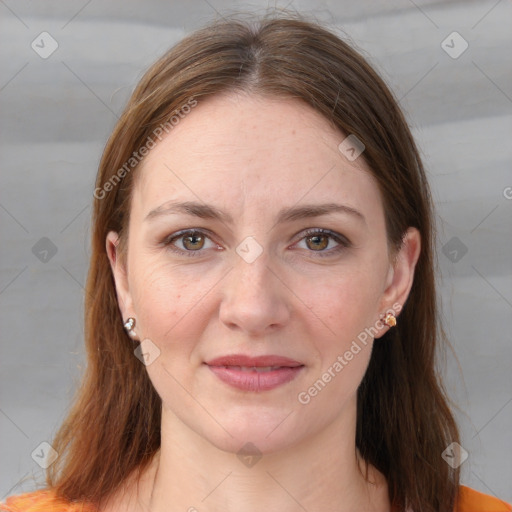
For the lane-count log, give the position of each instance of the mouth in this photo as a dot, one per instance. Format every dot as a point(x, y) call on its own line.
point(253, 368)
point(255, 374)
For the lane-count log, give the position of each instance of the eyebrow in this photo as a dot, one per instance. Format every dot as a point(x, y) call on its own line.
point(206, 211)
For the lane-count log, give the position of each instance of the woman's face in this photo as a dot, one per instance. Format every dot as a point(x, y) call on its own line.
point(260, 179)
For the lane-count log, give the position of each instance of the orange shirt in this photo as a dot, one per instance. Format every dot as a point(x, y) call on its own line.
point(45, 501)
point(42, 501)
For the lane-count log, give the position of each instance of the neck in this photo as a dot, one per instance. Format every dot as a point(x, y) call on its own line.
point(324, 472)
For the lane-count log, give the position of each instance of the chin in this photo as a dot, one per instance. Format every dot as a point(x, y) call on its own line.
point(264, 433)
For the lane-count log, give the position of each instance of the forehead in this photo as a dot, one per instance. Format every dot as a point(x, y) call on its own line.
point(237, 150)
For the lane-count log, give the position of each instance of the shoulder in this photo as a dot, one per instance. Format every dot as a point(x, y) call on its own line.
point(42, 501)
point(474, 501)
point(46, 501)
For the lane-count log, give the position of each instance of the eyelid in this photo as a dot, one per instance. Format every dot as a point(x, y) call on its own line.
point(182, 232)
point(323, 231)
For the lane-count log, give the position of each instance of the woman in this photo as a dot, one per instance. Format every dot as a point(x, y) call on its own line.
point(261, 321)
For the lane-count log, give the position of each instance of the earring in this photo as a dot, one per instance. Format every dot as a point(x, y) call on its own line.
point(390, 320)
point(129, 325)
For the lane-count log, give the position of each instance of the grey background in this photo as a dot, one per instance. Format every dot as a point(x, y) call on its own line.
point(58, 112)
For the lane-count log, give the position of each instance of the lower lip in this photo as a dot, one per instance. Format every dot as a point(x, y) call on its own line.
point(253, 380)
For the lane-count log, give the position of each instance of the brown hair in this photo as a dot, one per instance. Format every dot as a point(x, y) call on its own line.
point(404, 422)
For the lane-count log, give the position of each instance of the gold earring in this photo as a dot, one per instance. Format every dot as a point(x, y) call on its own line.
point(390, 320)
point(129, 325)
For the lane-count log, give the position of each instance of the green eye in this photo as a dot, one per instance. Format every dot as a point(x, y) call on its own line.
point(192, 241)
point(318, 240)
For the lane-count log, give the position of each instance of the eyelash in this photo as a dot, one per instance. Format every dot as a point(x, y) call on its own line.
point(343, 242)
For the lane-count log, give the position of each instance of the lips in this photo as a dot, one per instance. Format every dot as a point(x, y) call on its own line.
point(253, 368)
point(260, 373)
point(251, 362)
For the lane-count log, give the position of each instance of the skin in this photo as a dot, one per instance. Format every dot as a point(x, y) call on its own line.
point(250, 157)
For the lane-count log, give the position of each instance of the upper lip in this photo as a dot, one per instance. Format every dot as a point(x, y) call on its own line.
point(259, 361)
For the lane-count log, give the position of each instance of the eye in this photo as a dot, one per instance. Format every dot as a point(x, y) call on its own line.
point(192, 242)
point(324, 242)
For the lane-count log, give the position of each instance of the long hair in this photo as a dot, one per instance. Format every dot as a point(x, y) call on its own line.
point(403, 419)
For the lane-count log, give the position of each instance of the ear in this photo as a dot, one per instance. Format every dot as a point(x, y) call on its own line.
point(400, 276)
point(124, 298)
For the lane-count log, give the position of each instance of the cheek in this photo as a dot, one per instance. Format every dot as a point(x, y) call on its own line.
point(168, 302)
point(346, 300)
point(346, 308)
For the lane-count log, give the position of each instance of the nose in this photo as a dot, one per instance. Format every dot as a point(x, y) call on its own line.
point(255, 300)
